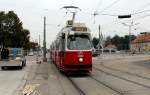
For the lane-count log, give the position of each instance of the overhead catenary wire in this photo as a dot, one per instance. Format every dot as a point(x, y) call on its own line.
point(116, 15)
point(139, 17)
point(106, 8)
point(141, 11)
point(142, 17)
point(144, 7)
point(125, 20)
point(109, 6)
point(99, 3)
point(135, 13)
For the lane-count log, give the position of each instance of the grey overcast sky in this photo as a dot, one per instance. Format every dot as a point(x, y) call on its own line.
point(31, 13)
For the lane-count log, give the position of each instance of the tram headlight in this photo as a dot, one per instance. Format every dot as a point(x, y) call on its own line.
point(80, 59)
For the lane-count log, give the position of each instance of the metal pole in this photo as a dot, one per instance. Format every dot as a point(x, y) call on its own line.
point(99, 28)
point(39, 40)
point(73, 17)
point(39, 47)
point(130, 30)
point(44, 42)
point(130, 36)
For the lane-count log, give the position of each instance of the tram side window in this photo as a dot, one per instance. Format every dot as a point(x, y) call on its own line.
point(79, 42)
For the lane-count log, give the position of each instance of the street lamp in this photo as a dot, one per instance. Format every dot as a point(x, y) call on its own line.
point(130, 29)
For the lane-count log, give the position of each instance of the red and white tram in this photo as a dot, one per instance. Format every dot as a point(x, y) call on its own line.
point(72, 49)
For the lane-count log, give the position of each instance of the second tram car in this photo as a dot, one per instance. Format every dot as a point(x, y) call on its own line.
point(72, 49)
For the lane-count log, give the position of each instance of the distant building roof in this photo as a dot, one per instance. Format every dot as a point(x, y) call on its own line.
point(142, 38)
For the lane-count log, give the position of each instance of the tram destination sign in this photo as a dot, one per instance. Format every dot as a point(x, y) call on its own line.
point(79, 28)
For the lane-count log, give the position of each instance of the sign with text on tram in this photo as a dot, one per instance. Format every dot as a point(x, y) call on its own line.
point(82, 29)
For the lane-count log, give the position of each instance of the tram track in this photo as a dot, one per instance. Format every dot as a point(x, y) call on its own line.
point(76, 84)
point(66, 80)
point(128, 80)
point(133, 74)
point(100, 83)
point(81, 92)
point(108, 86)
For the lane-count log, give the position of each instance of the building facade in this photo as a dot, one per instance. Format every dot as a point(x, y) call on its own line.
point(141, 44)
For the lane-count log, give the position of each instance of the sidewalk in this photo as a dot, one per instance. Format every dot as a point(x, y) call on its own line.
point(37, 80)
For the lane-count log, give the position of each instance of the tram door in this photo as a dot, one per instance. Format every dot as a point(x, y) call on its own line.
point(62, 50)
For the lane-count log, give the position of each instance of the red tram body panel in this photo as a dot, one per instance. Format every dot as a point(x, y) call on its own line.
point(78, 60)
point(72, 50)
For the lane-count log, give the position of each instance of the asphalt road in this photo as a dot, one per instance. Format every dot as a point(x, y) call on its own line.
point(130, 79)
point(111, 75)
point(10, 80)
point(127, 74)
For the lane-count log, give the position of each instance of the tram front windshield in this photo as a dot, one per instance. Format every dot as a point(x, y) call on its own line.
point(78, 42)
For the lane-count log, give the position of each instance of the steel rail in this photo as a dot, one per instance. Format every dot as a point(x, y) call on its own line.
point(129, 73)
point(76, 86)
point(106, 85)
point(131, 81)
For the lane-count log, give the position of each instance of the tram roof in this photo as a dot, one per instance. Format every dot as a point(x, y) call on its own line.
point(82, 26)
point(69, 28)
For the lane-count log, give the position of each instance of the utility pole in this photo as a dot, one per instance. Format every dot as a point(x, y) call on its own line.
point(130, 30)
point(100, 40)
point(99, 28)
point(73, 17)
point(39, 47)
point(39, 40)
point(44, 41)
